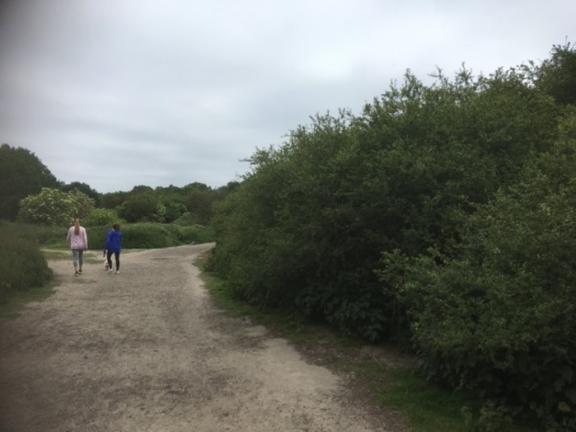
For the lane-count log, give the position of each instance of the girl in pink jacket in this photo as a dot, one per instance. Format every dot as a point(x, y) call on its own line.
point(77, 239)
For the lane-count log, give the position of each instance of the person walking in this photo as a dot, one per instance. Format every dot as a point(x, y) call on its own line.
point(77, 239)
point(113, 246)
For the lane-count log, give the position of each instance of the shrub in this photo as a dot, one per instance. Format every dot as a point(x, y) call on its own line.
point(101, 217)
point(146, 235)
point(150, 235)
point(174, 210)
point(500, 318)
point(192, 234)
point(22, 265)
point(186, 218)
point(43, 235)
point(307, 226)
point(142, 207)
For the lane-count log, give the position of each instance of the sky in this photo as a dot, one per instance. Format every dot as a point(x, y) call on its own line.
point(118, 93)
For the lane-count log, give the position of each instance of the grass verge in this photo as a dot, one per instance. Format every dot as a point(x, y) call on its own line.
point(428, 407)
point(381, 375)
point(15, 301)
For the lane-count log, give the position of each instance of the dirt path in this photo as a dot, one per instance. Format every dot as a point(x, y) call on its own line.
point(146, 351)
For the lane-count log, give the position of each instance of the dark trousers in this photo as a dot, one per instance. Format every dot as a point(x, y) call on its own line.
point(116, 256)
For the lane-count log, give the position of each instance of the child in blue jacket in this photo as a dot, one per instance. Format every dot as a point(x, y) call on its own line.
point(113, 246)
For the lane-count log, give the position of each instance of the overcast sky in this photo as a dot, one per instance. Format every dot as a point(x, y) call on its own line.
point(116, 93)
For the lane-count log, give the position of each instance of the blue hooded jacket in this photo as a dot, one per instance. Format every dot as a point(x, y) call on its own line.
point(114, 241)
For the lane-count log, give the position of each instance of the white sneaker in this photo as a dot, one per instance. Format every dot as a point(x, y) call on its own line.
point(117, 271)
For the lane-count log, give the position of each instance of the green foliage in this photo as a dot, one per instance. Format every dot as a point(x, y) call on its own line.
point(142, 206)
point(500, 317)
point(113, 200)
point(21, 174)
point(186, 218)
point(84, 188)
point(443, 215)
point(557, 76)
point(153, 235)
point(307, 227)
point(54, 207)
point(43, 235)
point(174, 210)
point(492, 418)
point(167, 204)
point(101, 217)
point(83, 204)
point(194, 233)
point(140, 235)
point(22, 265)
point(199, 203)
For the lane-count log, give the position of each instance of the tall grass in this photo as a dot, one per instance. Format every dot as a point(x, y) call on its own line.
point(22, 265)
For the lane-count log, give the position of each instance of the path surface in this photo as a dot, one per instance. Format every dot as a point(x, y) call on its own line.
point(146, 351)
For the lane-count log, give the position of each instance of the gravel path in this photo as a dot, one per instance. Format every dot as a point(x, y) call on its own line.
point(145, 350)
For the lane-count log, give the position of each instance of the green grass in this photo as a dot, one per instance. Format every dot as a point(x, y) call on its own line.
point(431, 408)
point(90, 257)
point(15, 301)
point(56, 254)
point(424, 406)
point(428, 407)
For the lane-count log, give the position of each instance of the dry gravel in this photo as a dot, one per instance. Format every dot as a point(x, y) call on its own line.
point(146, 350)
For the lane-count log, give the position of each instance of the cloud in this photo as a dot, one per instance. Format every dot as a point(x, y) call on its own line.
point(122, 92)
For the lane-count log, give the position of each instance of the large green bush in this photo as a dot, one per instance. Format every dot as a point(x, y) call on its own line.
point(22, 265)
point(307, 226)
point(500, 318)
point(466, 187)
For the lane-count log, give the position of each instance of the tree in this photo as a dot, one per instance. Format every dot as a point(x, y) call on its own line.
point(142, 206)
point(101, 217)
point(54, 207)
point(174, 209)
point(84, 188)
point(113, 200)
point(196, 186)
point(557, 75)
point(83, 204)
point(199, 203)
point(21, 174)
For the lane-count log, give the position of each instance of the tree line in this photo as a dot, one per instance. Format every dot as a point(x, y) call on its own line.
point(442, 216)
point(31, 193)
